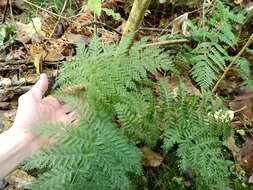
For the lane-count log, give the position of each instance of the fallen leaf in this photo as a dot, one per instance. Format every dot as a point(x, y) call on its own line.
point(77, 38)
point(38, 63)
point(151, 158)
point(245, 3)
point(20, 179)
point(5, 82)
point(30, 32)
point(180, 25)
point(246, 155)
point(251, 179)
point(52, 53)
point(230, 144)
point(243, 105)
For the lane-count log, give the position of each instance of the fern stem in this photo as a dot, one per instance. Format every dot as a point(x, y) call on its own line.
point(169, 42)
point(250, 40)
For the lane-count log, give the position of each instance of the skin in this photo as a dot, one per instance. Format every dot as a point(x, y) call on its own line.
point(19, 142)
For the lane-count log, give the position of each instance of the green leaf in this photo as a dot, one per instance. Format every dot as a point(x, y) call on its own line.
point(95, 6)
point(162, 1)
point(250, 51)
point(241, 132)
point(111, 13)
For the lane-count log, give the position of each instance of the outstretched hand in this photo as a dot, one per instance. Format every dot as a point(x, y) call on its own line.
point(18, 143)
point(34, 109)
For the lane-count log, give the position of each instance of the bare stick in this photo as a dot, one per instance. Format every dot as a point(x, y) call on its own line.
point(5, 11)
point(58, 20)
point(50, 12)
point(250, 40)
point(179, 41)
point(99, 23)
point(155, 29)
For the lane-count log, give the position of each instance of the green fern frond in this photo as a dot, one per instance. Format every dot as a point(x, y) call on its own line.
point(199, 147)
point(88, 146)
point(210, 56)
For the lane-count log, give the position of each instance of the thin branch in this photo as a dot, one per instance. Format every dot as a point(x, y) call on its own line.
point(99, 23)
point(58, 20)
point(63, 17)
point(169, 42)
point(155, 29)
point(250, 40)
point(41, 8)
point(5, 11)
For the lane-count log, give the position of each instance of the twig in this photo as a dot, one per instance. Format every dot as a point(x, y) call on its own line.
point(155, 29)
point(11, 12)
point(5, 11)
point(16, 62)
point(16, 89)
point(179, 41)
point(58, 20)
point(63, 17)
point(50, 12)
point(99, 23)
point(250, 40)
point(95, 26)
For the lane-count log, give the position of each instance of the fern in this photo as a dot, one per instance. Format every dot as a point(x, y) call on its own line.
point(119, 102)
point(216, 35)
point(199, 147)
point(94, 154)
point(120, 80)
point(90, 155)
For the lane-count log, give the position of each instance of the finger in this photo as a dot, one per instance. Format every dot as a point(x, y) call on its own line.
point(40, 88)
point(71, 117)
point(65, 108)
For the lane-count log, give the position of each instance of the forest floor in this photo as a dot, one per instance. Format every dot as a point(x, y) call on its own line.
point(36, 38)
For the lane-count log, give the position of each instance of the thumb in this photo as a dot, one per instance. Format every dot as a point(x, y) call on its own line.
point(41, 86)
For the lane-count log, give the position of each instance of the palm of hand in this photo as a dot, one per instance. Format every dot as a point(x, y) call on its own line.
point(33, 109)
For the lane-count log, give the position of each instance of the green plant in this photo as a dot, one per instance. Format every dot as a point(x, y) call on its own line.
point(6, 35)
point(94, 154)
point(197, 137)
point(120, 100)
point(90, 155)
point(214, 34)
point(96, 7)
point(58, 5)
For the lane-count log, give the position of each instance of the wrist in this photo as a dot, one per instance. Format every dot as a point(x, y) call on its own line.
point(21, 136)
point(25, 137)
point(15, 147)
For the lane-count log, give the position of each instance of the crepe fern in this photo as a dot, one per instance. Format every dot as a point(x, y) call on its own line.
point(94, 154)
point(122, 99)
point(214, 34)
point(197, 138)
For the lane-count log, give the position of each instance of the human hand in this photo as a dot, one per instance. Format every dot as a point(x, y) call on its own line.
point(33, 109)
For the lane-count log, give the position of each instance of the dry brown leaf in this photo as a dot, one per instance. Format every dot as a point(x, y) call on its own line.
point(50, 53)
point(245, 3)
point(77, 38)
point(30, 32)
point(151, 158)
point(246, 155)
point(38, 63)
point(20, 179)
point(179, 25)
point(230, 144)
point(243, 105)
